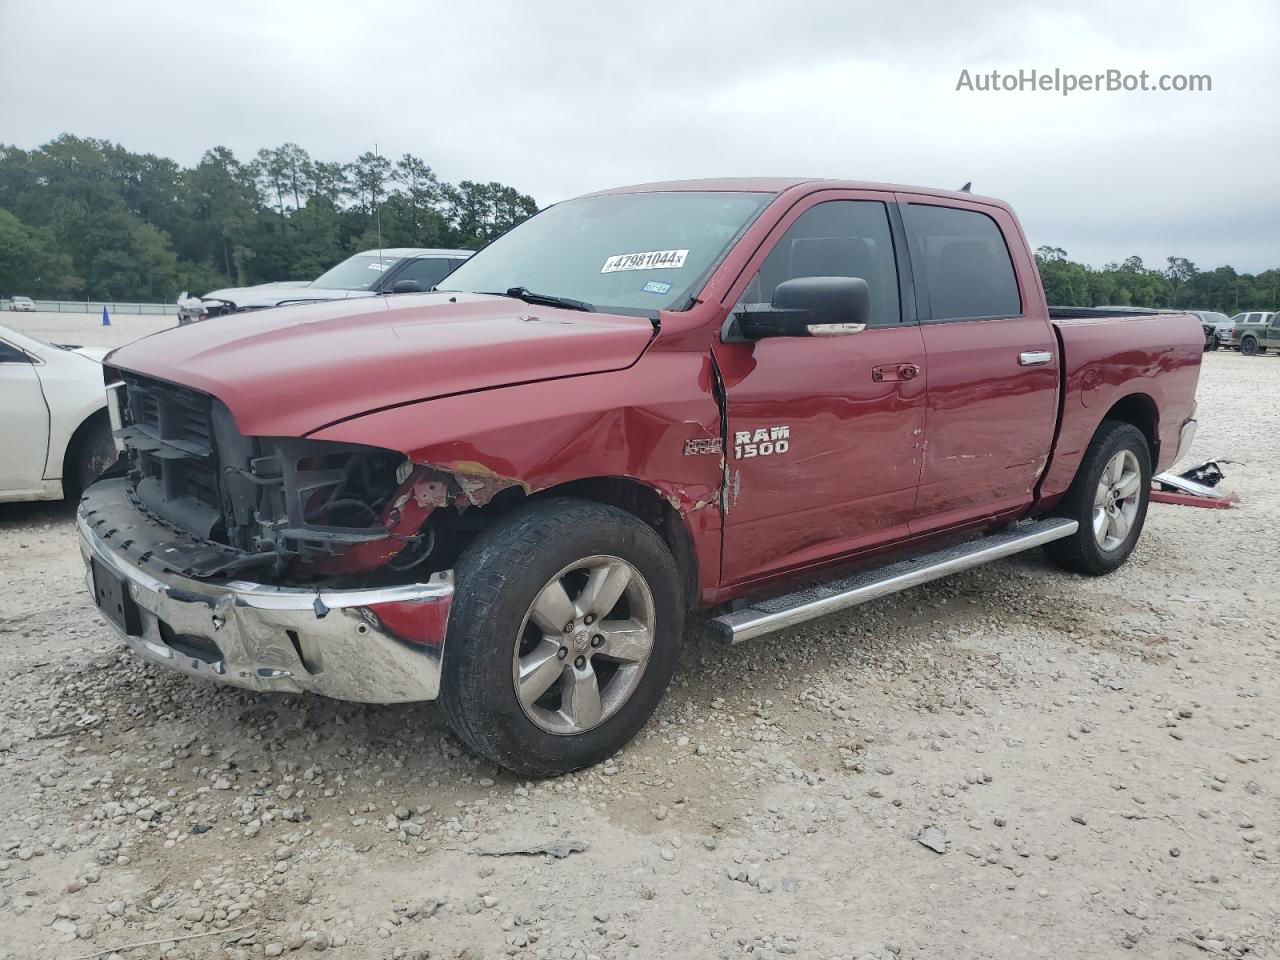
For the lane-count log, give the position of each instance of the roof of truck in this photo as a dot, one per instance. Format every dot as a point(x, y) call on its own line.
point(782, 184)
point(416, 252)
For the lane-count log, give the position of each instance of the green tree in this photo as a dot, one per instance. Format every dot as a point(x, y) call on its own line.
point(30, 262)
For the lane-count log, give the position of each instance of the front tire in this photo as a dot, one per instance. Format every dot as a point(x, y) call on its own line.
point(1108, 498)
point(564, 633)
point(1213, 343)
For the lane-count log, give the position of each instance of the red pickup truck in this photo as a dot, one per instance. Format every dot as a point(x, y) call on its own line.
point(755, 400)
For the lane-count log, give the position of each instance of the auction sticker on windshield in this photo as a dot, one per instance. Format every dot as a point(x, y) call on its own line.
point(652, 260)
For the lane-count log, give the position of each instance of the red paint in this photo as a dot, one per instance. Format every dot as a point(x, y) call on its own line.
point(480, 388)
point(418, 622)
point(1191, 500)
point(290, 370)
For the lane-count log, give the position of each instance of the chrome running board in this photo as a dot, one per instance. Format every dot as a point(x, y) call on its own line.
point(778, 613)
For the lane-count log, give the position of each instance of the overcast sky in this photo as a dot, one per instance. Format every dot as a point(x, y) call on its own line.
point(559, 98)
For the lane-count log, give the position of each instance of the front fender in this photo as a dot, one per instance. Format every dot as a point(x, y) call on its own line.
point(657, 423)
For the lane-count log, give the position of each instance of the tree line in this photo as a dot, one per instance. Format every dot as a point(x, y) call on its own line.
point(1180, 285)
point(81, 217)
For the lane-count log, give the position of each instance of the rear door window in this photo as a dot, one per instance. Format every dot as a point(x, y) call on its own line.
point(968, 273)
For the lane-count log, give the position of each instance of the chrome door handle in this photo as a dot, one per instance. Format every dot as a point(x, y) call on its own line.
point(1034, 358)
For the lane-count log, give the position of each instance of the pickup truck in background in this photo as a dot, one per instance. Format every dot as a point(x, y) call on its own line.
point(1255, 333)
point(757, 400)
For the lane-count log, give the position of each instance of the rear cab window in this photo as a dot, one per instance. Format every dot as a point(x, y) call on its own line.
point(962, 262)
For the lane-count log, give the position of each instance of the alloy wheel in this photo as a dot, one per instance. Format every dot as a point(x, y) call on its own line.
point(1115, 505)
point(583, 645)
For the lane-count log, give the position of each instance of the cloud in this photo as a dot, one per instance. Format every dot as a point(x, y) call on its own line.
point(560, 98)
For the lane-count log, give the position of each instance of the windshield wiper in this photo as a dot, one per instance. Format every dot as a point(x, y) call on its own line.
point(544, 299)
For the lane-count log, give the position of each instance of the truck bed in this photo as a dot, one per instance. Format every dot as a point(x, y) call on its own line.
point(1145, 360)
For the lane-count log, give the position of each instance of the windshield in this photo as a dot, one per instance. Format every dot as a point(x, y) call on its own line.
point(625, 252)
point(360, 272)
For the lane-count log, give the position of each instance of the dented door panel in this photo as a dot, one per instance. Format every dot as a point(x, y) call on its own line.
point(846, 479)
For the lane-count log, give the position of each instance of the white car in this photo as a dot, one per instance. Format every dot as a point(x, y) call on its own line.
point(372, 273)
point(55, 431)
point(22, 305)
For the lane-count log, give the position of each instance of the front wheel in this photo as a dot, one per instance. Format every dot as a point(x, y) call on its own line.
point(563, 635)
point(1109, 499)
point(1213, 343)
point(1249, 346)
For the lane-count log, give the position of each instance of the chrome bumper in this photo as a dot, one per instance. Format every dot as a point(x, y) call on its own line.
point(373, 646)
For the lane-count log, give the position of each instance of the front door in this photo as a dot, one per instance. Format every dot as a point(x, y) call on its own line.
point(24, 423)
point(825, 433)
point(993, 364)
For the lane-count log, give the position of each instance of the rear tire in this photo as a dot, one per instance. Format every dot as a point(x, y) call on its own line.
point(551, 552)
point(1102, 499)
point(1249, 346)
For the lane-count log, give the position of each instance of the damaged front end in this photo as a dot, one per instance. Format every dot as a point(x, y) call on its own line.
point(282, 508)
point(271, 563)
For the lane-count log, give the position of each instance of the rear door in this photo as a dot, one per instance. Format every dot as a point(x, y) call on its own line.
point(824, 433)
point(992, 362)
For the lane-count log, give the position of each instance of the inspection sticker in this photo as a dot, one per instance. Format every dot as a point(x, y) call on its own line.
point(652, 260)
point(653, 286)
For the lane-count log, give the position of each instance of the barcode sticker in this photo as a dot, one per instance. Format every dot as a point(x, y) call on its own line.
point(651, 260)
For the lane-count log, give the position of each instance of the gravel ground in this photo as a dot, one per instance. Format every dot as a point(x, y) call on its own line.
point(1099, 754)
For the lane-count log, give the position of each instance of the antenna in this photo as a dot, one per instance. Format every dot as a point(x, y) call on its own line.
point(968, 186)
point(377, 214)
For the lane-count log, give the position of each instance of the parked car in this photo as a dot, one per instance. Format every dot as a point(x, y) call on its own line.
point(22, 305)
point(1258, 336)
point(368, 274)
point(1217, 328)
point(634, 405)
point(1256, 332)
point(55, 431)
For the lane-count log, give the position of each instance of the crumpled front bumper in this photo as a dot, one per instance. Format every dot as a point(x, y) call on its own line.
point(381, 645)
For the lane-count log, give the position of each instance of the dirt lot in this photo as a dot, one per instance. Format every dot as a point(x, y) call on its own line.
point(1101, 754)
point(85, 329)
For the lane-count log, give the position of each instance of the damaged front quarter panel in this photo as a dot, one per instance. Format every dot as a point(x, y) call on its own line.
point(654, 426)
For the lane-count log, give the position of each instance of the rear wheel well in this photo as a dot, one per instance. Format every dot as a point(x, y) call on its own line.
point(1139, 410)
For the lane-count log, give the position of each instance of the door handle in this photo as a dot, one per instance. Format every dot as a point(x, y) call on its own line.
point(1034, 358)
point(893, 372)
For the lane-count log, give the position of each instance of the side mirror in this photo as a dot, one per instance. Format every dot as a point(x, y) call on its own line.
point(811, 307)
point(406, 286)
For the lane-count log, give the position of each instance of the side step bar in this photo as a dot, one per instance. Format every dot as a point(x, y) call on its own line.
point(778, 613)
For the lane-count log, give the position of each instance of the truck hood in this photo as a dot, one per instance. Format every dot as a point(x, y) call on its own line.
point(291, 371)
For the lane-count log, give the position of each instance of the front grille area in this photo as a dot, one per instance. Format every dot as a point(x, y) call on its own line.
point(173, 457)
point(241, 503)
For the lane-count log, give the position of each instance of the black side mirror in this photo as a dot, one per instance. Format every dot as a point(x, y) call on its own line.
point(406, 286)
point(811, 307)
